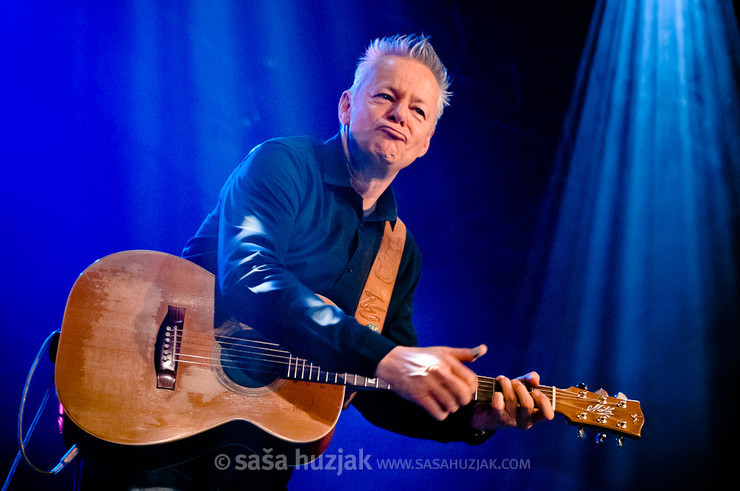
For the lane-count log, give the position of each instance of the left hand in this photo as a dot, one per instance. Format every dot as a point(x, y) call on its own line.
point(514, 405)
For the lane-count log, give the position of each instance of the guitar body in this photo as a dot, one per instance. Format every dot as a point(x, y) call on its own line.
point(106, 372)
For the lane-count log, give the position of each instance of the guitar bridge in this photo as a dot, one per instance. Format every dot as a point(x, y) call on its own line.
point(167, 347)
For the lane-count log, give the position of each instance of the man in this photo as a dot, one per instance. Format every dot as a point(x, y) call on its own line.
point(300, 217)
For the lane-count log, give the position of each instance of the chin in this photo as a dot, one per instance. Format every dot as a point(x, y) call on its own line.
point(390, 160)
point(389, 153)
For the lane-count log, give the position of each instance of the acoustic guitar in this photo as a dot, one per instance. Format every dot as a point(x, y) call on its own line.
point(140, 365)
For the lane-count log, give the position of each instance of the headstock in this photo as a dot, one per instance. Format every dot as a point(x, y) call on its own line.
point(596, 409)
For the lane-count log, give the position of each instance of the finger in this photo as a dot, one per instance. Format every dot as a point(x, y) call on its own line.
point(498, 405)
point(456, 388)
point(432, 406)
point(526, 404)
point(449, 391)
point(460, 388)
point(542, 403)
point(506, 389)
point(468, 354)
point(522, 394)
point(465, 375)
point(479, 351)
point(531, 380)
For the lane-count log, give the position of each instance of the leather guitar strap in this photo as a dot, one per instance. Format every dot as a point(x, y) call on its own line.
point(373, 305)
point(376, 295)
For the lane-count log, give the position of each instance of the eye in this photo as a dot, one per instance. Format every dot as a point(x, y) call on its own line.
point(421, 112)
point(385, 96)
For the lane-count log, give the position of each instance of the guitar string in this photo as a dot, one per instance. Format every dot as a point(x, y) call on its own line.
point(239, 349)
point(484, 383)
point(563, 396)
point(325, 377)
point(347, 380)
point(238, 344)
point(299, 365)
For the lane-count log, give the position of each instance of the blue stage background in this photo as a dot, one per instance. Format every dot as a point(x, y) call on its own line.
point(121, 120)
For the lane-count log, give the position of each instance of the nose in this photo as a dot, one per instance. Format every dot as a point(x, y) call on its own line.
point(397, 114)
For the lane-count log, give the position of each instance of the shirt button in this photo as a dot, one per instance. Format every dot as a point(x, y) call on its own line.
point(350, 269)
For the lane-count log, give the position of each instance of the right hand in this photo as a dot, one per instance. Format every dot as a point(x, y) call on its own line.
point(434, 377)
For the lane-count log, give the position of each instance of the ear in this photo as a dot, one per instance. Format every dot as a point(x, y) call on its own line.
point(345, 104)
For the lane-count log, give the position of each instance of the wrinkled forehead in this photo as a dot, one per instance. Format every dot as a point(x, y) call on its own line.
point(404, 73)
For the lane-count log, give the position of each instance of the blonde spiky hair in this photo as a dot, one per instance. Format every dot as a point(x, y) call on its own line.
point(412, 46)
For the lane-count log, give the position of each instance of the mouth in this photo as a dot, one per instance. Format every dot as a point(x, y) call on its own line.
point(393, 133)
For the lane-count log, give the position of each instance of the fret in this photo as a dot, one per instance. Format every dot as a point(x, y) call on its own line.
point(302, 369)
point(485, 387)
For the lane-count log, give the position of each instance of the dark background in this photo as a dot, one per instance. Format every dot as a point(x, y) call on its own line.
point(121, 120)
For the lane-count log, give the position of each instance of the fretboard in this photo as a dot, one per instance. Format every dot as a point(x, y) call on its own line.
point(486, 386)
point(301, 369)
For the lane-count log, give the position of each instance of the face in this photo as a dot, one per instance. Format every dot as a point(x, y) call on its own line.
point(391, 118)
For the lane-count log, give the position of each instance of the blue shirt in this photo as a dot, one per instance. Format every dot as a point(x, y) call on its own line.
point(288, 224)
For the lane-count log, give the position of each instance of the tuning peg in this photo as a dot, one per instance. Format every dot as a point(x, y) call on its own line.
point(602, 392)
point(620, 441)
point(622, 399)
point(600, 438)
point(582, 386)
point(581, 433)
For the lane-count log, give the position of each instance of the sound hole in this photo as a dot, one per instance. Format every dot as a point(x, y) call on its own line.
point(248, 362)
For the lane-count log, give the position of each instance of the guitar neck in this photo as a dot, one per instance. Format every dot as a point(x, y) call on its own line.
point(303, 370)
point(578, 405)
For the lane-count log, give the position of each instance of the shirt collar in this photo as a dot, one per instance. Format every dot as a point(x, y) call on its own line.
point(336, 173)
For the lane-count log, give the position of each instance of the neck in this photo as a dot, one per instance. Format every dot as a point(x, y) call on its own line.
point(365, 176)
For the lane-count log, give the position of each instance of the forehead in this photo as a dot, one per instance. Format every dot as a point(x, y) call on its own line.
point(406, 76)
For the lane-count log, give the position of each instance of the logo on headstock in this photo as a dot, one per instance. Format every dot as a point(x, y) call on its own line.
point(603, 409)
